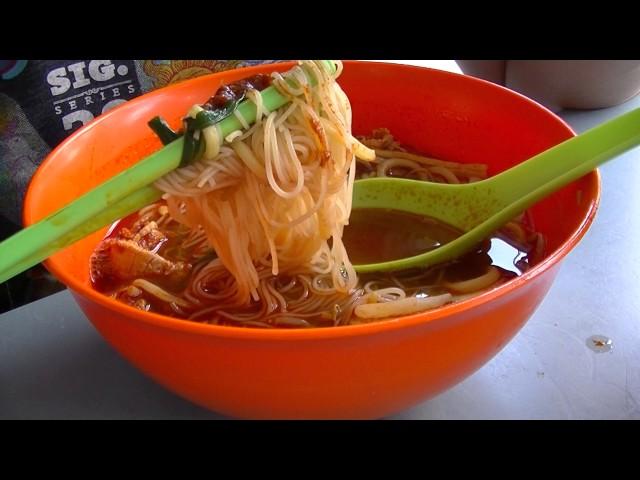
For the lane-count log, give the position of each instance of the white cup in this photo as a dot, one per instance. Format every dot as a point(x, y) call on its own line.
point(560, 84)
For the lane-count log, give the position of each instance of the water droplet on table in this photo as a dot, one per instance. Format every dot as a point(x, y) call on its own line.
point(600, 343)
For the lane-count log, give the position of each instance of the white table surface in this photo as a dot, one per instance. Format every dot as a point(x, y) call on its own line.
point(53, 364)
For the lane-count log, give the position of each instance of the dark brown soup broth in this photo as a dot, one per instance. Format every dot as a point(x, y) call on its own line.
point(373, 235)
point(380, 235)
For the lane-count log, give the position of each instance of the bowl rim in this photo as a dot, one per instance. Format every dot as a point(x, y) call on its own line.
point(391, 324)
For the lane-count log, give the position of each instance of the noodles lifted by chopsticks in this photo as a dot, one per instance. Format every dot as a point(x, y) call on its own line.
point(278, 192)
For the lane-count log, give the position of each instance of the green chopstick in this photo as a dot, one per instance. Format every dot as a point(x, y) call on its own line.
point(128, 205)
point(119, 196)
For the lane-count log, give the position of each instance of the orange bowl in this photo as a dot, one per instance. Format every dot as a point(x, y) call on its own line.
point(360, 371)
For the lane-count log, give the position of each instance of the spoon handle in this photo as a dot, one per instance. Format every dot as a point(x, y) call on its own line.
point(545, 173)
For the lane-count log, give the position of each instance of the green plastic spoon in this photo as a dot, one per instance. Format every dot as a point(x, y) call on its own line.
point(481, 208)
